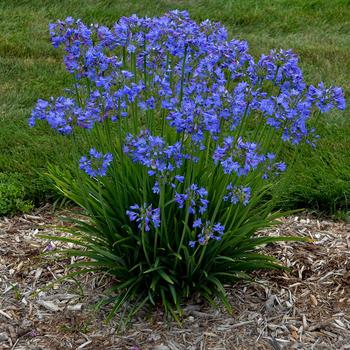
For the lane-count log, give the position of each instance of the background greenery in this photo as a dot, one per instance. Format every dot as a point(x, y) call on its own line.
point(317, 30)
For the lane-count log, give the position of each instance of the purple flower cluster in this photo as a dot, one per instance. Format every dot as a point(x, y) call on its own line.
point(144, 216)
point(150, 39)
point(288, 112)
point(96, 164)
point(327, 98)
point(242, 157)
point(207, 231)
point(273, 168)
point(290, 109)
point(195, 197)
point(58, 113)
point(62, 113)
point(153, 153)
point(238, 157)
point(237, 194)
point(192, 47)
point(280, 67)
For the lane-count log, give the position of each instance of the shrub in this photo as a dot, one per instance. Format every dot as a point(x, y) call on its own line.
point(12, 195)
point(184, 136)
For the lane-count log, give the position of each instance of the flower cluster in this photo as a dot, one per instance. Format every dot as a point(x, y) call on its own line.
point(273, 168)
point(207, 231)
point(152, 152)
point(238, 157)
point(237, 194)
point(195, 198)
point(326, 98)
point(144, 216)
point(96, 164)
point(281, 68)
point(62, 113)
point(58, 113)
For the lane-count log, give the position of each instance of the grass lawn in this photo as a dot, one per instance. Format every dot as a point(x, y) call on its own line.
point(317, 30)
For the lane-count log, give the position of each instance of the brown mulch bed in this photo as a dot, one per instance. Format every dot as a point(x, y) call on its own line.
point(306, 308)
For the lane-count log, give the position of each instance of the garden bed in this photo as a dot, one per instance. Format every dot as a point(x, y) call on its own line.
point(308, 307)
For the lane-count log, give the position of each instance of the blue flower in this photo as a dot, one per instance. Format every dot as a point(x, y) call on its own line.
point(327, 98)
point(238, 157)
point(153, 153)
point(196, 198)
point(197, 223)
point(144, 216)
point(179, 178)
point(207, 231)
point(58, 113)
point(192, 244)
point(97, 164)
point(273, 168)
point(237, 194)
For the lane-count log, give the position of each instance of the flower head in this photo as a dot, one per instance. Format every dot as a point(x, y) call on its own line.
point(144, 216)
point(237, 194)
point(160, 159)
point(195, 197)
point(57, 112)
point(96, 164)
point(207, 231)
point(238, 157)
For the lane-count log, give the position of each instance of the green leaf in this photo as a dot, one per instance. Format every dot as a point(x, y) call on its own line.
point(165, 276)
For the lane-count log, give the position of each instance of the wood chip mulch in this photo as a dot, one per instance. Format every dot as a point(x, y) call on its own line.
point(306, 308)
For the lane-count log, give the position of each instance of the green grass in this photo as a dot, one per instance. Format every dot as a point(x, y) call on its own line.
point(317, 30)
point(320, 179)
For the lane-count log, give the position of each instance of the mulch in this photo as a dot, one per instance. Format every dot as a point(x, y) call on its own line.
point(307, 307)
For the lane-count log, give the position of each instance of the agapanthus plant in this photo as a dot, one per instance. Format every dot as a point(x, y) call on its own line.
point(184, 132)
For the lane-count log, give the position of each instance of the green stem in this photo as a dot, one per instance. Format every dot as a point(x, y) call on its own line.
point(208, 150)
point(163, 121)
point(242, 123)
point(182, 236)
point(78, 95)
point(124, 56)
point(144, 245)
point(200, 259)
